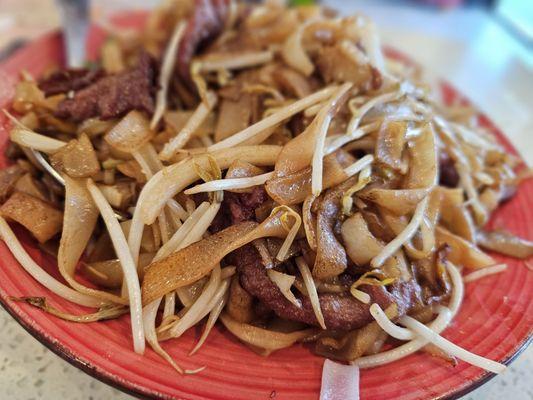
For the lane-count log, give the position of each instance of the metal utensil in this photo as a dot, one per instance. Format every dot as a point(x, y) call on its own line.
point(75, 23)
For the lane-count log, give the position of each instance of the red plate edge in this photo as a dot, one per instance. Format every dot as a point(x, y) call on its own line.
point(47, 49)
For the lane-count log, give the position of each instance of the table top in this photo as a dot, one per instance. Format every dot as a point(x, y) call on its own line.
point(467, 47)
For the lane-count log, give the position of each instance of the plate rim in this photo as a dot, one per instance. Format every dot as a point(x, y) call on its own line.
point(143, 392)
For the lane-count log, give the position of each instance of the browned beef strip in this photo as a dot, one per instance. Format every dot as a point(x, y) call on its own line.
point(341, 312)
point(448, 174)
point(69, 79)
point(206, 22)
point(238, 207)
point(114, 95)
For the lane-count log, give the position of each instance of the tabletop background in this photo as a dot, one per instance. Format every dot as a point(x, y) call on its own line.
point(468, 47)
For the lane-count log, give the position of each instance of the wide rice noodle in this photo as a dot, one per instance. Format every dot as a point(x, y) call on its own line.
point(173, 179)
point(80, 217)
point(273, 119)
point(294, 54)
point(263, 338)
point(39, 274)
point(235, 61)
point(197, 119)
point(403, 237)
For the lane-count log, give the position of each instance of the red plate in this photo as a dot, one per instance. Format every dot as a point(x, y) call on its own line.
point(495, 320)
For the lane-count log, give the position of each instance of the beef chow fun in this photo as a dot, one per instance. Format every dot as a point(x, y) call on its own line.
point(262, 166)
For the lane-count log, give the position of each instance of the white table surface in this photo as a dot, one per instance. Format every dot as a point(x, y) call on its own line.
point(470, 50)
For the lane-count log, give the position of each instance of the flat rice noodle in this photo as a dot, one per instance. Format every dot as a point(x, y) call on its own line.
point(390, 143)
point(294, 188)
point(331, 257)
point(173, 179)
point(423, 161)
point(233, 116)
point(80, 216)
point(193, 262)
point(270, 122)
point(298, 153)
point(263, 338)
point(108, 273)
point(505, 243)
point(294, 54)
point(377, 224)
point(187, 295)
point(399, 202)
point(243, 169)
point(150, 236)
point(27, 138)
point(359, 242)
point(130, 133)
point(452, 196)
point(8, 178)
point(77, 158)
point(281, 23)
point(433, 209)
point(350, 347)
point(490, 199)
point(240, 302)
point(118, 195)
point(458, 220)
point(309, 222)
point(176, 120)
point(227, 61)
point(198, 117)
point(292, 82)
point(344, 62)
point(132, 169)
point(462, 252)
point(41, 218)
point(30, 186)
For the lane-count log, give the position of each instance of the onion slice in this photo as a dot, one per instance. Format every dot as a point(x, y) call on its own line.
point(339, 381)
